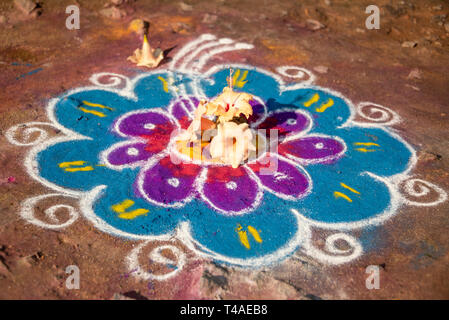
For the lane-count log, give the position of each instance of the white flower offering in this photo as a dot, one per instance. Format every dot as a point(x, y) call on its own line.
point(219, 131)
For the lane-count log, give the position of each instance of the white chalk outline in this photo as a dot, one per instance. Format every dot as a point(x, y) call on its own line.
point(27, 212)
point(132, 261)
point(409, 188)
point(335, 256)
point(386, 113)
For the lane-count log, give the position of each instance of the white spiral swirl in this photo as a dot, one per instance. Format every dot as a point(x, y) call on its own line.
point(114, 80)
point(294, 72)
point(28, 212)
point(155, 255)
point(419, 188)
point(377, 113)
point(21, 134)
point(336, 255)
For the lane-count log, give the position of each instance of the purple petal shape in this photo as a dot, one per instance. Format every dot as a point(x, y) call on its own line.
point(229, 190)
point(286, 122)
point(145, 123)
point(259, 112)
point(128, 154)
point(280, 177)
point(179, 112)
point(180, 108)
point(168, 184)
point(313, 149)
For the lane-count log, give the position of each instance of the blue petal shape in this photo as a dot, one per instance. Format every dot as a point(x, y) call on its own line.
point(71, 175)
point(275, 224)
point(155, 222)
point(331, 201)
point(373, 150)
point(95, 118)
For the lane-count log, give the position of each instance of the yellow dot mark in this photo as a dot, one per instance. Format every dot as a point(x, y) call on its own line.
point(239, 82)
point(365, 150)
point(255, 234)
point(366, 144)
point(164, 83)
point(243, 237)
point(68, 166)
point(341, 195)
point(314, 99)
point(349, 188)
point(125, 204)
point(324, 106)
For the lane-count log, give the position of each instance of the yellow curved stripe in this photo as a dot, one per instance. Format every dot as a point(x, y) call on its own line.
point(121, 207)
point(97, 113)
point(255, 234)
point(366, 144)
point(133, 214)
point(243, 237)
point(71, 163)
point(239, 82)
point(235, 76)
point(365, 150)
point(314, 99)
point(324, 106)
point(349, 188)
point(87, 168)
point(125, 204)
point(242, 80)
point(164, 83)
point(96, 105)
point(341, 195)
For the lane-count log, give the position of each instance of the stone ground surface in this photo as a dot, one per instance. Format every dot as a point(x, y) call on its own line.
point(403, 65)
